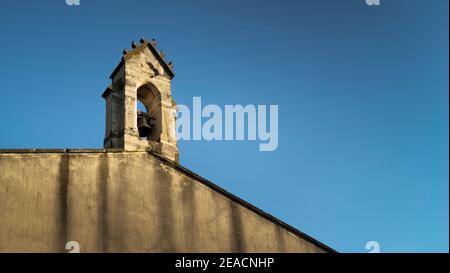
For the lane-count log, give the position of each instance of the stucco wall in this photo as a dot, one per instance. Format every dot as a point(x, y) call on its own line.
point(125, 202)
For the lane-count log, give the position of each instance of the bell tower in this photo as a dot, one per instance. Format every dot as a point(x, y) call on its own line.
point(144, 76)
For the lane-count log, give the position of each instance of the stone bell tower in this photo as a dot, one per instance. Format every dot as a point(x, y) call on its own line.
point(143, 76)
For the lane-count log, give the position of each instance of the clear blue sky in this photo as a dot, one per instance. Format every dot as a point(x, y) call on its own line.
point(362, 94)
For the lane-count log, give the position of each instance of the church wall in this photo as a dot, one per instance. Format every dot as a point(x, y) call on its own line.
point(125, 202)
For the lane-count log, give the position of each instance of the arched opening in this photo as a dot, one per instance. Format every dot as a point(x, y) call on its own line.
point(149, 112)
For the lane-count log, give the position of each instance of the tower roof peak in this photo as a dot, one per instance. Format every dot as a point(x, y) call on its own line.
point(136, 48)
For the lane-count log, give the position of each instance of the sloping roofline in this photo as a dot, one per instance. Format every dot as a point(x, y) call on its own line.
point(244, 203)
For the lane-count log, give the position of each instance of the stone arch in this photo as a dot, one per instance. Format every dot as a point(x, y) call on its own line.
point(149, 95)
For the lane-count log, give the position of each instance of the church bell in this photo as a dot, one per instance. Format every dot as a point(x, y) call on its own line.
point(144, 123)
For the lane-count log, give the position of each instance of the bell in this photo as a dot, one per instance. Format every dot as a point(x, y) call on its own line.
point(144, 124)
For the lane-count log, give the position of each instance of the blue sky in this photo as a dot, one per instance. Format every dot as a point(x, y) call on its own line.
point(362, 94)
